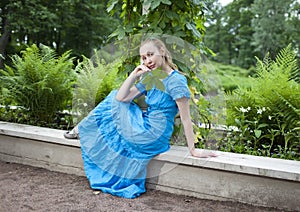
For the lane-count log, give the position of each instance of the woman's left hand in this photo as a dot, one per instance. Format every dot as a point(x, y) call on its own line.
point(201, 153)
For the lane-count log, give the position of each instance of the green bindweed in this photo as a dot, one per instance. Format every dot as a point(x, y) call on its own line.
point(154, 79)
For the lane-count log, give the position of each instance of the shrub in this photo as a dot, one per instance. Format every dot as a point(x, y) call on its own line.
point(232, 77)
point(268, 114)
point(96, 79)
point(39, 82)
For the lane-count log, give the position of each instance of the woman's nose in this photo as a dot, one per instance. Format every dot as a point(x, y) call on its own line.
point(148, 61)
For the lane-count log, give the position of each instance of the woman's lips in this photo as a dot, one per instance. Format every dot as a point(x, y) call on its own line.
point(151, 67)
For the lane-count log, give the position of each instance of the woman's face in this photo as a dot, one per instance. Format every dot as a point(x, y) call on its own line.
point(151, 56)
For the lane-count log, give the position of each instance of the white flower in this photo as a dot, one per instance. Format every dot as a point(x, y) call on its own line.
point(243, 110)
point(259, 111)
point(85, 104)
point(248, 108)
point(263, 109)
point(269, 117)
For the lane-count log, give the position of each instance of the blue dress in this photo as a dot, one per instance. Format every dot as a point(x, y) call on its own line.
point(119, 139)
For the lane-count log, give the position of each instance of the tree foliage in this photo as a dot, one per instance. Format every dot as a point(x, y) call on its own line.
point(184, 19)
point(244, 29)
point(180, 24)
point(229, 32)
point(271, 26)
point(62, 25)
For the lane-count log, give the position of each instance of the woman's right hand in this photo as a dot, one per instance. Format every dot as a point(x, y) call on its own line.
point(127, 92)
point(140, 70)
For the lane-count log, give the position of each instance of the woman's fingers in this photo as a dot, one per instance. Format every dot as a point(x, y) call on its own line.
point(141, 69)
point(144, 68)
point(203, 153)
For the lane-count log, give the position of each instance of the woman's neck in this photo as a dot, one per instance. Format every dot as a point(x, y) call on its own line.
point(168, 70)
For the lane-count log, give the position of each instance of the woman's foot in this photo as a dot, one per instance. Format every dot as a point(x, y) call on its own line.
point(73, 134)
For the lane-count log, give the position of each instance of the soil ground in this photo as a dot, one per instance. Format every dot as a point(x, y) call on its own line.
point(26, 188)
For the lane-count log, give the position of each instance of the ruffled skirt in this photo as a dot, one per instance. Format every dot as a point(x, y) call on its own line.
point(117, 141)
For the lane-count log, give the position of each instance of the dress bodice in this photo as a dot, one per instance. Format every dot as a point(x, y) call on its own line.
point(175, 87)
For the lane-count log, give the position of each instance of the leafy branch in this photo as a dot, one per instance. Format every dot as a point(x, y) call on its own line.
point(154, 79)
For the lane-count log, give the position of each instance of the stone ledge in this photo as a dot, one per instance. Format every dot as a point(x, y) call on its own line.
point(247, 164)
point(36, 133)
point(241, 163)
point(234, 177)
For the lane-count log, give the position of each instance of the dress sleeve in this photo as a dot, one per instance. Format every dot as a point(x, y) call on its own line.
point(141, 87)
point(177, 87)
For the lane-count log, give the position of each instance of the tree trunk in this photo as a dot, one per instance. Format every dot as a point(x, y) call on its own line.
point(4, 40)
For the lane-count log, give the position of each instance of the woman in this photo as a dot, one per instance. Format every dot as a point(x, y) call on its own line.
point(118, 139)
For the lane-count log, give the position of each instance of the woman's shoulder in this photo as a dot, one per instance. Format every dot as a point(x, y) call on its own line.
point(177, 77)
point(177, 86)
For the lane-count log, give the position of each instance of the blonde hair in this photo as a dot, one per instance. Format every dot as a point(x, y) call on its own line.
point(160, 45)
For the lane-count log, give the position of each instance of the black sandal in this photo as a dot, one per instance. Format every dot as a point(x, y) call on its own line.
point(69, 135)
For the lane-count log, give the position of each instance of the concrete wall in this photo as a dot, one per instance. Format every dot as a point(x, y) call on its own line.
point(235, 177)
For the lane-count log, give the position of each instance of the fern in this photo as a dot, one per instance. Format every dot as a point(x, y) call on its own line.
point(95, 81)
point(40, 81)
point(278, 93)
point(286, 60)
point(289, 112)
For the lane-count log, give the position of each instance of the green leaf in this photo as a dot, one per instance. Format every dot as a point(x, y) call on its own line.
point(197, 2)
point(121, 34)
point(111, 5)
point(159, 73)
point(166, 2)
point(155, 4)
point(257, 133)
point(238, 122)
point(262, 125)
point(193, 29)
point(154, 79)
point(170, 14)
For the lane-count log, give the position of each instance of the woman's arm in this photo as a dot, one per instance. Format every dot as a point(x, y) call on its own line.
point(184, 111)
point(127, 92)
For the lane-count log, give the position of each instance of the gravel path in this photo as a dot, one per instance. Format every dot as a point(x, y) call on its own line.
point(26, 188)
